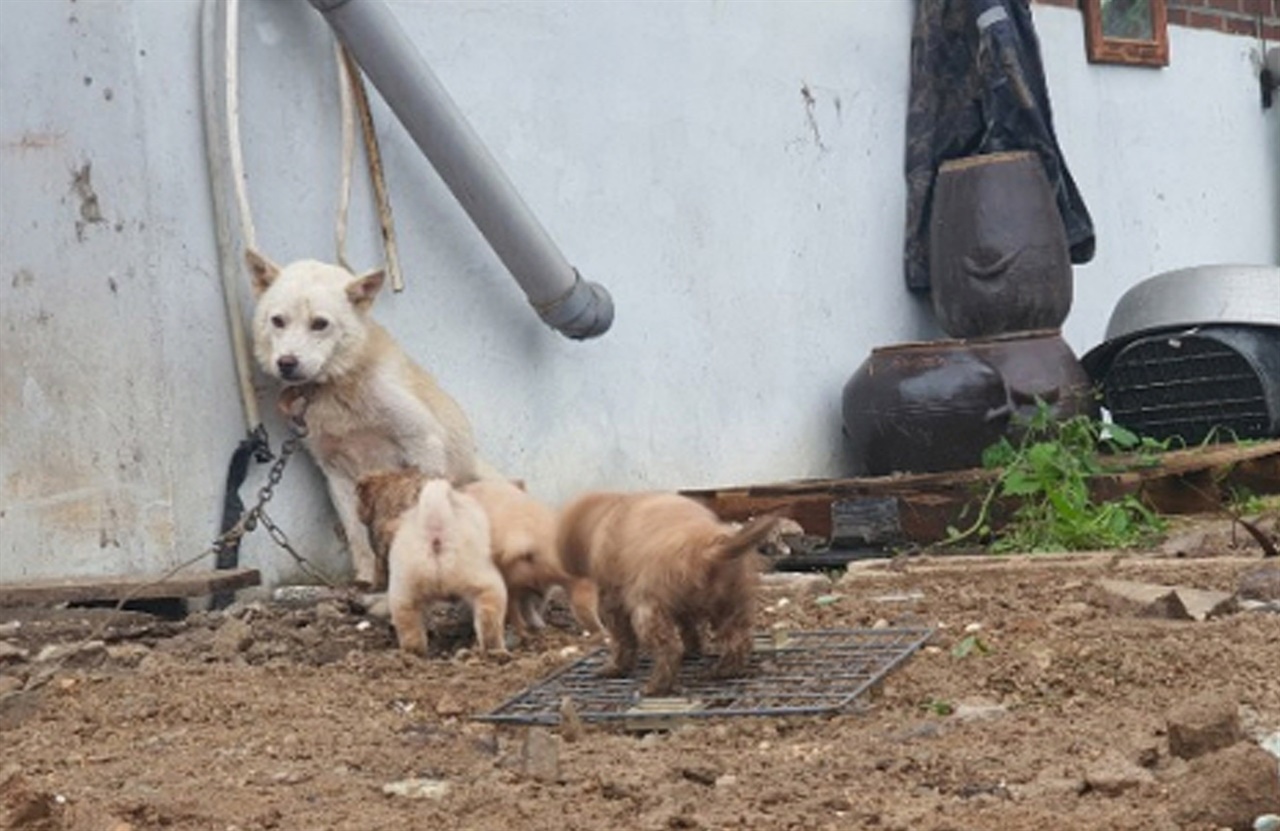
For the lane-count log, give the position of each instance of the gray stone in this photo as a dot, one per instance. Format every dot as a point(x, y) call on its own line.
point(540, 755)
point(233, 637)
point(1203, 724)
point(1172, 602)
point(1261, 583)
point(73, 655)
point(1113, 775)
point(12, 653)
point(1228, 788)
point(978, 709)
point(1267, 822)
point(793, 584)
point(17, 707)
point(571, 728)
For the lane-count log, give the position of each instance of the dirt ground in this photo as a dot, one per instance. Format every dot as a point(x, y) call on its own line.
point(1040, 703)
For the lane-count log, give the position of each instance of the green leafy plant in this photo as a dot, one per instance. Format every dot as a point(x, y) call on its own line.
point(938, 706)
point(1046, 474)
point(968, 645)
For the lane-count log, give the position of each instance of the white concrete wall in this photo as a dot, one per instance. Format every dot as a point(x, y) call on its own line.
point(751, 240)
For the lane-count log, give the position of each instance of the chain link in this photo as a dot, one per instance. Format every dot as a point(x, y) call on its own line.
point(250, 519)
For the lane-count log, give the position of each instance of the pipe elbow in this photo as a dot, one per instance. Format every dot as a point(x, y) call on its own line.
point(584, 311)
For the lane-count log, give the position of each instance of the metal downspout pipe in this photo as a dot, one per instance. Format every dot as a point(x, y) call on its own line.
point(575, 307)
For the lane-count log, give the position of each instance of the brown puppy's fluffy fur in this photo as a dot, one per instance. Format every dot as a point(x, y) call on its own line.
point(383, 498)
point(440, 549)
point(665, 565)
point(522, 532)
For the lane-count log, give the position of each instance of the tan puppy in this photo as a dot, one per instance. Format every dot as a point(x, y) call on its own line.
point(370, 407)
point(440, 549)
point(523, 534)
point(664, 566)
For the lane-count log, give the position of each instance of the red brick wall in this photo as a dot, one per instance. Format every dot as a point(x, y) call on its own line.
point(1235, 17)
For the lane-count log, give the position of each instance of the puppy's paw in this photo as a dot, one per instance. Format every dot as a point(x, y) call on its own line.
point(658, 688)
point(613, 670)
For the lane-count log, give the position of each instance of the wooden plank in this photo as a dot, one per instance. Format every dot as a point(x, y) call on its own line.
point(88, 589)
point(1181, 481)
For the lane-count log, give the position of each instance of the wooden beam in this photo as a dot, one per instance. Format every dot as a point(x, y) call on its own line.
point(116, 588)
point(918, 508)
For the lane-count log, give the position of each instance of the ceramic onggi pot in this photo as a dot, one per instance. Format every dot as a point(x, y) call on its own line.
point(998, 255)
point(929, 407)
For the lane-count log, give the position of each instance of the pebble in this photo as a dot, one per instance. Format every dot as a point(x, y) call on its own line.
point(233, 637)
point(540, 755)
point(1267, 822)
point(448, 706)
point(12, 654)
point(436, 789)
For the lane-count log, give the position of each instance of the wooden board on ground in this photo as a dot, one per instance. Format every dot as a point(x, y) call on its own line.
point(918, 508)
point(108, 589)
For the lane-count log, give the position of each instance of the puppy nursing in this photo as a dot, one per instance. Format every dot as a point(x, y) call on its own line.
point(369, 406)
point(441, 549)
point(665, 566)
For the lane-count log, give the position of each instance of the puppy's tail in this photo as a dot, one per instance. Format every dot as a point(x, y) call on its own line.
point(747, 539)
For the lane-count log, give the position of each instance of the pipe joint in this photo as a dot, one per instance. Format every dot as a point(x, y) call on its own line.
point(584, 311)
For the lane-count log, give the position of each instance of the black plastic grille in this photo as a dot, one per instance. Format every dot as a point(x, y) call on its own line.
point(791, 673)
point(1187, 387)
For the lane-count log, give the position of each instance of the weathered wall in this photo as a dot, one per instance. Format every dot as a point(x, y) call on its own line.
point(730, 171)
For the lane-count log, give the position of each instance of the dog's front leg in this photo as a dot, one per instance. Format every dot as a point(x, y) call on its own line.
point(342, 491)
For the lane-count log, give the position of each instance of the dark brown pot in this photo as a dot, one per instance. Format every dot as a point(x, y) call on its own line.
point(998, 257)
point(928, 407)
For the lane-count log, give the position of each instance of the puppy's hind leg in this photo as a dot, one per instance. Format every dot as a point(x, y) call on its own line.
point(659, 633)
point(690, 635)
point(489, 610)
point(623, 644)
point(733, 635)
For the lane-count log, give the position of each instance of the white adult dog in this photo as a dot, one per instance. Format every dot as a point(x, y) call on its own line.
point(369, 406)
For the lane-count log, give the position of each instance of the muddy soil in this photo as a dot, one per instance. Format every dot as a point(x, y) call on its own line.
point(1040, 702)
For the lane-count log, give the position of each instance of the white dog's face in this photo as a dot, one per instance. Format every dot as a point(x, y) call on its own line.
point(309, 323)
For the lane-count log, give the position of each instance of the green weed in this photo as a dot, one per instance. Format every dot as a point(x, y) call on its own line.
point(1046, 474)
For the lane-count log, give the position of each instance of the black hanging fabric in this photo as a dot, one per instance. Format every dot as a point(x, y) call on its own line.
point(978, 86)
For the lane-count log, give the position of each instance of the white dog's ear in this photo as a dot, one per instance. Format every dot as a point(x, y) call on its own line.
point(364, 288)
point(263, 271)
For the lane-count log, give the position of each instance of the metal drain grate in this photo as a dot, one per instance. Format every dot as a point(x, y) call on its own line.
point(792, 673)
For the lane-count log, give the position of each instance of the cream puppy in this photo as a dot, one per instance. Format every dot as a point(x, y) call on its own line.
point(665, 566)
point(523, 534)
point(369, 406)
point(441, 549)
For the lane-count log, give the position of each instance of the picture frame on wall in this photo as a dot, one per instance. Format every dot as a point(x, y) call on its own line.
point(1133, 32)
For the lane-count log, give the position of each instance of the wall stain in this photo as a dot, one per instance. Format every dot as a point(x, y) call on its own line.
point(810, 103)
point(90, 209)
point(23, 278)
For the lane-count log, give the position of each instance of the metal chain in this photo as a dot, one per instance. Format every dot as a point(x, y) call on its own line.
point(258, 514)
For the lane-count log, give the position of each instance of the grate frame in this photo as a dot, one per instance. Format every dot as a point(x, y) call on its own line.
point(812, 672)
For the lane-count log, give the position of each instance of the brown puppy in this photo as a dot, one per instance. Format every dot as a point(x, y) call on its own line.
point(665, 565)
point(382, 499)
point(523, 532)
point(439, 548)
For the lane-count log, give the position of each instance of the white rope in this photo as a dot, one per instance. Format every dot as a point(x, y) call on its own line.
point(233, 125)
point(224, 162)
point(348, 152)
